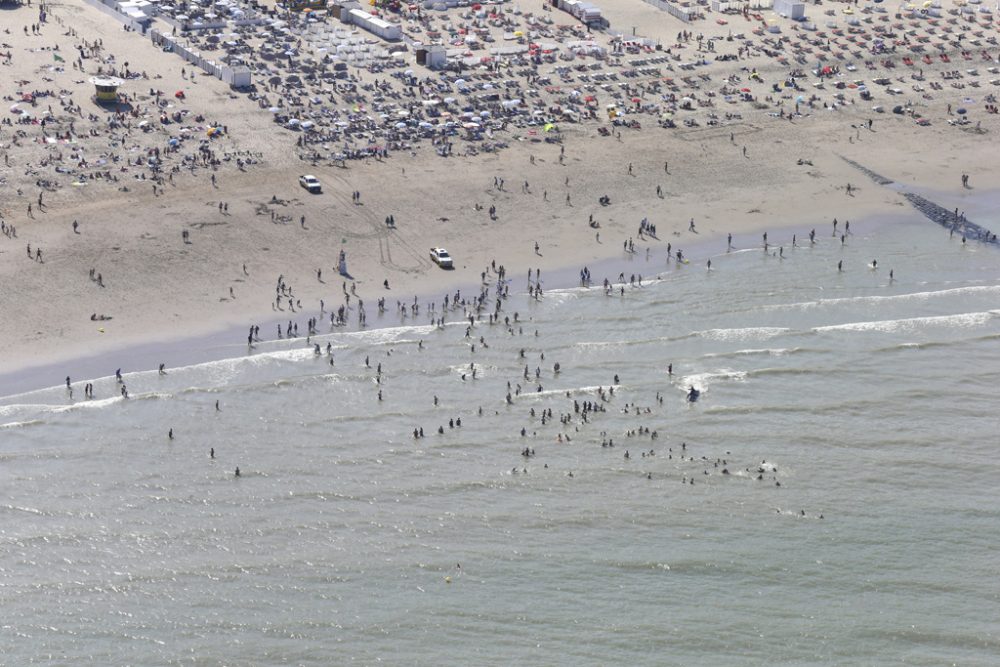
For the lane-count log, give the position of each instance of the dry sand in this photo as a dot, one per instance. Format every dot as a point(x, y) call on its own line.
point(159, 288)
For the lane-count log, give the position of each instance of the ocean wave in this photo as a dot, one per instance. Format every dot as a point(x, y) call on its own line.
point(792, 371)
point(545, 393)
point(637, 341)
point(913, 323)
point(702, 381)
point(26, 510)
point(742, 333)
point(52, 408)
point(771, 352)
point(22, 424)
point(883, 299)
point(388, 335)
point(482, 370)
point(914, 346)
point(810, 409)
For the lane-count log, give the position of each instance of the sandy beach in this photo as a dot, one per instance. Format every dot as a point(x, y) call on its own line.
point(187, 242)
point(712, 380)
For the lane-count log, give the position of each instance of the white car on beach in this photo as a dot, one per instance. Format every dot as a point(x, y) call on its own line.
point(441, 257)
point(311, 183)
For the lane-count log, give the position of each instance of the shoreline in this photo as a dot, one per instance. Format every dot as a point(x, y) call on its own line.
point(214, 344)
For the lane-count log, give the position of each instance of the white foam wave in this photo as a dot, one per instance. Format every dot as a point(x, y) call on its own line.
point(702, 381)
point(573, 391)
point(773, 352)
point(602, 343)
point(568, 291)
point(388, 334)
point(914, 323)
point(85, 405)
point(880, 299)
point(22, 424)
point(27, 510)
point(744, 333)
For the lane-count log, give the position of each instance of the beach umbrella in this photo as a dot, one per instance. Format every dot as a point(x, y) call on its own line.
point(961, 112)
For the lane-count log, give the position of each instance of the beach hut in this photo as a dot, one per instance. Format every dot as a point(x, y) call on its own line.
point(107, 88)
point(790, 8)
point(432, 56)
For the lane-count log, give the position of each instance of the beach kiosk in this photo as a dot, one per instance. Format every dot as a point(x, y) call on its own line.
point(107, 89)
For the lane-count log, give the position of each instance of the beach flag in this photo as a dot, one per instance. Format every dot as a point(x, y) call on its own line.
point(59, 59)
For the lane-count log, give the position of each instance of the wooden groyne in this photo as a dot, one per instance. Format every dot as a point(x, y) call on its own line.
point(950, 220)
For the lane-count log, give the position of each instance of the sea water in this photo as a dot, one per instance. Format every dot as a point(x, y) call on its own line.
point(873, 403)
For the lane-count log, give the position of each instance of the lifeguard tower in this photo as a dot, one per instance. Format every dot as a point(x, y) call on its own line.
point(107, 89)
